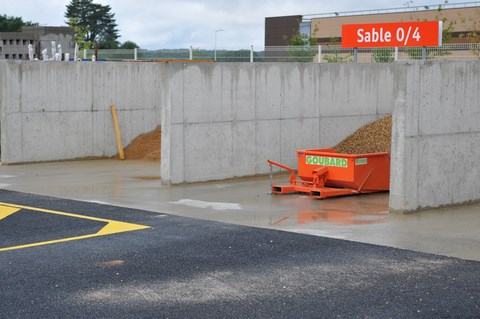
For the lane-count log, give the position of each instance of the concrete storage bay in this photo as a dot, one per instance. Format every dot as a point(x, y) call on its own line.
point(223, 120)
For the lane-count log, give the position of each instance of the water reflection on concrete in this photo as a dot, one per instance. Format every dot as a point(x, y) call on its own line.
point(364, 218)
point(352, 210)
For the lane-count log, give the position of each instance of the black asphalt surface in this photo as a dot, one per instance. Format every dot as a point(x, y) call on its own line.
point(187, 268)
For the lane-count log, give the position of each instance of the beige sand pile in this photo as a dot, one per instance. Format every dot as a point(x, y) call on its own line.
point(375, 137)
point(145, 147)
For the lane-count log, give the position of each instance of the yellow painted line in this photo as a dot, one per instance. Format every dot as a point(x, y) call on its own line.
point(112, 227)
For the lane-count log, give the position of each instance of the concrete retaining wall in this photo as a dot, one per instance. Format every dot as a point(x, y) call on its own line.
point(223, 120)
point(59, 110)
point(436, 136)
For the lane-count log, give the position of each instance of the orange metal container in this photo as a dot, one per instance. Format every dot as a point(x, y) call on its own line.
point(324, 173)
point(370, 172)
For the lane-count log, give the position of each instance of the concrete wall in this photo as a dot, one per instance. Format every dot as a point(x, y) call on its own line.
point(59, 110)
point(223, 120)
point(436, 136)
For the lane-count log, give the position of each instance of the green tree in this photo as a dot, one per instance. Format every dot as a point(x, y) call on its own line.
point(94, 22)
point(472, 35)
point(336, 55)
point(234, 56)
point(13, 24)
point(129, 45)
point(302, 47)
point(108, 44)
point(80, 33)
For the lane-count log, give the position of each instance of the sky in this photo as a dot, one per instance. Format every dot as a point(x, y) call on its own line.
point(178, 24)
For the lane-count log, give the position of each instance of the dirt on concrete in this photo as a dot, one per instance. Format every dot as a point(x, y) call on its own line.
point(375, 137)
point(144, 147)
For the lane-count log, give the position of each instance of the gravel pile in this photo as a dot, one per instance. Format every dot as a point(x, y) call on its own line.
point(375, 137)
point(144, 147)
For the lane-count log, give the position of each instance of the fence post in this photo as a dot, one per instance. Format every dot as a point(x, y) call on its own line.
point(424, 53)
point(84, 54)
point(319, 54)
point(135, 55)
point(75, 53)
point(190, 53)
point(396, 54)
point(251, 54)
point(355, 55)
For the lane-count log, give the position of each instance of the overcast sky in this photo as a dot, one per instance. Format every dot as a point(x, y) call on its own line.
point(166, 24)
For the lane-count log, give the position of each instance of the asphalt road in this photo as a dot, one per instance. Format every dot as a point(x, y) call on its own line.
point(185, 268)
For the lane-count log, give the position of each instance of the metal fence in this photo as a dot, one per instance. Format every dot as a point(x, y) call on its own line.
point(309, 54)
point(243, 55)
point(337, 54)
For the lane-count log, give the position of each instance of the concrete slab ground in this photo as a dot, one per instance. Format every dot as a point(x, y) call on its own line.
point(452, 232)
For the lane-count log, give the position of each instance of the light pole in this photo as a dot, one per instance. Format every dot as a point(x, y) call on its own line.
point(215, 51)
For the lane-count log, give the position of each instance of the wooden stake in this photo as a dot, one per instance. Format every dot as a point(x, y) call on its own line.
point(117, 132)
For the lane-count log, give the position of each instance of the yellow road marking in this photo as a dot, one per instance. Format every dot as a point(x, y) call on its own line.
point(7, 211)
point(112, 227)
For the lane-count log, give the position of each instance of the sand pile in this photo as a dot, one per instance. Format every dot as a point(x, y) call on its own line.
point(375, 137)
point(145, 147)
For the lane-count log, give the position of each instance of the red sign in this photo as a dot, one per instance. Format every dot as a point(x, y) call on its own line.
point(400, 34)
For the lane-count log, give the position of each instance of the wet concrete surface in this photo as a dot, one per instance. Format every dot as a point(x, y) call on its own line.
point(452, 232)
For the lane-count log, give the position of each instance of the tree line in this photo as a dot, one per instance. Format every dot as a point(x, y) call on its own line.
point(94, 25)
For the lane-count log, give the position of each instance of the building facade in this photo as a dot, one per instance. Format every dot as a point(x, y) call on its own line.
point(14, 45)
point(327, 28)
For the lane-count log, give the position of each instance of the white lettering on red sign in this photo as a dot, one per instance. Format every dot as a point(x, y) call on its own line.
point(382, 36)
point(373, 36)
point(428, 33)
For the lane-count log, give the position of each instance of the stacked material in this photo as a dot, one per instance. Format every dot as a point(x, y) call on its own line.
point(375, 137)
point(145, 147)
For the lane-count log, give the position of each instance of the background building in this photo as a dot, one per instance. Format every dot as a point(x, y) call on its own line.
point(14, 45)
point(327, 27)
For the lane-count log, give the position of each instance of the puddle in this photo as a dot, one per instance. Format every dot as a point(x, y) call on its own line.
point(203, 204)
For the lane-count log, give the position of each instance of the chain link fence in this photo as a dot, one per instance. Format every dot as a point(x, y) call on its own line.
point(309, 54)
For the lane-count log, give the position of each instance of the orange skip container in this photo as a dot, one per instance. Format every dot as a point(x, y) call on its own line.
point(324, 173)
